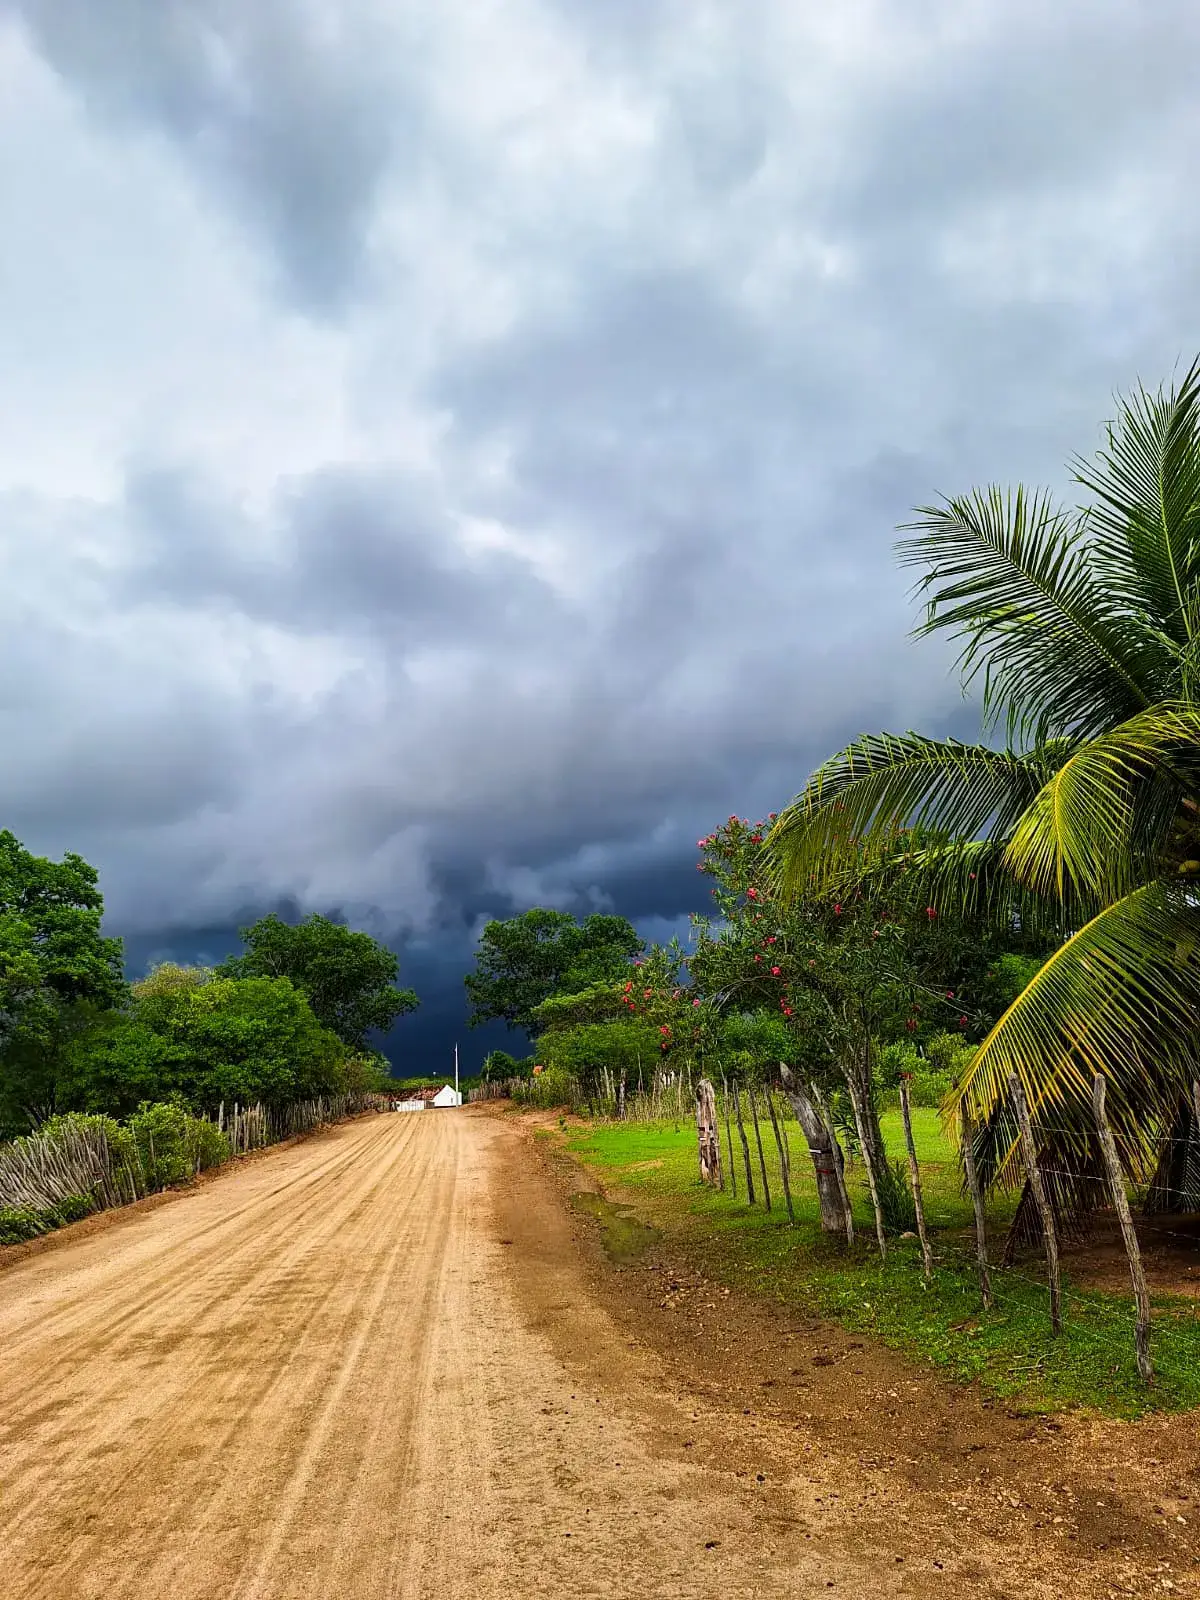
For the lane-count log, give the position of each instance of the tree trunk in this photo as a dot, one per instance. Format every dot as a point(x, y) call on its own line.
point(820, 1148)
point(708, 1134)
point(870, 1136)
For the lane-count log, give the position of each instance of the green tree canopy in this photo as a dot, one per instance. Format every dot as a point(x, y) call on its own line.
point(223, 1039)
point(347, 977)
point(527, 959)
point(56, 971)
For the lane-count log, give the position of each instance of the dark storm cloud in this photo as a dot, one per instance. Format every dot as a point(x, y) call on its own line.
point(627, 335)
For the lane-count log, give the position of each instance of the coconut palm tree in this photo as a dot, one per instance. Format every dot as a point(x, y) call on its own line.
point(1081, 810)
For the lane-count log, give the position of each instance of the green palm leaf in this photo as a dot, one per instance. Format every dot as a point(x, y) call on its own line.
point(1121, 997)
point(1103, 818)
point(855, 805)
point(1145, 525)
point(1010, 575)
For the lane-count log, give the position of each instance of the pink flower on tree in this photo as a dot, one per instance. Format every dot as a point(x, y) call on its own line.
point(775, 971)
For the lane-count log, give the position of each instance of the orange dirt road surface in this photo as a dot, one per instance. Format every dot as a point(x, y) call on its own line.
point(378, 1364)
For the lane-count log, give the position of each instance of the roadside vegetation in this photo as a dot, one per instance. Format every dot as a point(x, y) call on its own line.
point(987, 932)
point(110, 1090)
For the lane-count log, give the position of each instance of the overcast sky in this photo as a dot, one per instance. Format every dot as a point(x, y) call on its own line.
point(450, 452)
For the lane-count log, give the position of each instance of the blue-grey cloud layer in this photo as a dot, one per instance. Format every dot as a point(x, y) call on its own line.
point(465, 463)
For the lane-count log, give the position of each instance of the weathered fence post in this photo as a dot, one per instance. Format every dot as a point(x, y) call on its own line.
point(621, 1096)
point(708, 1134)
point(914, 1178)
point(869, 1163)
point(1116, 1184)
point(968, 1154)
point(729, 1135)
point(762, 1160)
point(781, 1146)
point(839, 1161)
point(1038, 1189)
point(737, 1110)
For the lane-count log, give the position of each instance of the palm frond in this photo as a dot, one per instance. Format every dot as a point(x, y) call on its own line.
point(1121, 997)
point(855, 805)
point(1009, 575)
point(1104, 816)
point(1146, 523)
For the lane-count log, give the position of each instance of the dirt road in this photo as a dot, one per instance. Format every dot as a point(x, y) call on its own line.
point(376, 1364)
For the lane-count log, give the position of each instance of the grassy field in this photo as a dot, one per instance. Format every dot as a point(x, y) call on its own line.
point(1010, 1350)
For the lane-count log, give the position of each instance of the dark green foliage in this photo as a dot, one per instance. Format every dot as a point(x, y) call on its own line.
point(500, 1067)
point(224, 1039)
point(347, 977)
point(18, 1223)
point(528, 959)
point(56, 973)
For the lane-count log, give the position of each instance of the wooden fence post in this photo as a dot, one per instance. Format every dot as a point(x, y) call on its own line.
point(729, 1135)
point(1038, 1189)
point(839, 1162)
point(868, 1162)
point(968, 1153)
point(1116, 1184)
point(762, 1160)
point(783, 1158)
point(621, 1096)
point(708, 1134)
point(914, 1176)
point(737, 1110)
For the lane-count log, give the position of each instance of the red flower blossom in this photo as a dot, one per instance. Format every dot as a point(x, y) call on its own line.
point(910, 1024)
point(962, 1022)
point(930, 912)
point(775, 971)
point(787, 1011)
point(949, 994)
point(837, 911)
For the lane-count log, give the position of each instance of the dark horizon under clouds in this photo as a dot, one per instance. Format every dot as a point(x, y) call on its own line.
point(451, 455)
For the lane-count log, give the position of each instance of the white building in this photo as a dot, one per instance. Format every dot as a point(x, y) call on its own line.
point(420, 1098)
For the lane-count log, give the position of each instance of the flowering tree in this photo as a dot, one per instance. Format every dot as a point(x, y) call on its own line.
point(842, 974)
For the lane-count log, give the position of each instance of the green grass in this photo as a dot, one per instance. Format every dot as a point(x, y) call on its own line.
point(1009, 1351)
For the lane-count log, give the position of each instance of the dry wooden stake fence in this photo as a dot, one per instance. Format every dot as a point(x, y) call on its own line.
point(737, 1111)
point(968, 1154)
point(1120, 1200)
point(762, 1160)
point(914, 1177)
point(784, 1164)
point(1038, 1189)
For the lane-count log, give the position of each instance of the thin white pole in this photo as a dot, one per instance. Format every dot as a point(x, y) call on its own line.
point(456, 1069)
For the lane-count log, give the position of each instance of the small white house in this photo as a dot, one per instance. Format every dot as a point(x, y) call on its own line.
point(420, 1098)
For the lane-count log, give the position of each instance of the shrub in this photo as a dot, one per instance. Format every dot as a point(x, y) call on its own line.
point(553, 1087)
point(172, 1145)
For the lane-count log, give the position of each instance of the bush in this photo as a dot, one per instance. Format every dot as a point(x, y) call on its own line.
point(551, 1088)
point(172, 1145)
point(18, 1223)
